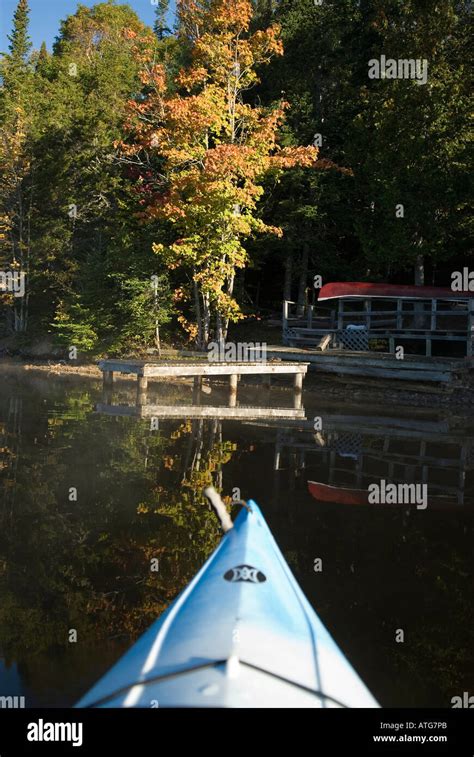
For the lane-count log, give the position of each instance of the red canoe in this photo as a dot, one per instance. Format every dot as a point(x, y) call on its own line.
point(326, 493)
point(364, 289)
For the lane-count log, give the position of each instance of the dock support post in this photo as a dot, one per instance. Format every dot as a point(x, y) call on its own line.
point(142, 386)
point(108, 379)
point(197, 387)
point(298, 391)
point(107, 386)
point(286, 306)
point(277, 458)
point(267, 380)
point(233, 381)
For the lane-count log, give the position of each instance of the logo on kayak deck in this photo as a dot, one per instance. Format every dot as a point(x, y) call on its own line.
point(245, 573)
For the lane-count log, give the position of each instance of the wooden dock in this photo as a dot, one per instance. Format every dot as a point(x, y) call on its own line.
point(198, 369)
point(375, 365)
point(196, 412)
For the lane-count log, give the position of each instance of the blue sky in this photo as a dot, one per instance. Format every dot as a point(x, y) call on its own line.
point(45, 16)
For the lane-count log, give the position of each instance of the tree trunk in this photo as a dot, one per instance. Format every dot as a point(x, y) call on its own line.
point(230, 284)
point(420, 270)
point(303, 280)
point(287, 284)
point(419, 320)
point(220, 331)
point(197, 307)
point(230, 292)
point(206, 323)
point(18, 304)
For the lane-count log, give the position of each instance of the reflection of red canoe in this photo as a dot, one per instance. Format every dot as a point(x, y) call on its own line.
point(342, 496)
point(326, 493)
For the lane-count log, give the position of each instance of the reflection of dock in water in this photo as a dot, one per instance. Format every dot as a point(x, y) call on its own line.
point(350, 452)
point(193, 412)
point(142, 406)
point(203, 425)
point(199, 369)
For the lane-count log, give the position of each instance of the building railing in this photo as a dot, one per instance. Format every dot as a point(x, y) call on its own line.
point(354, 324)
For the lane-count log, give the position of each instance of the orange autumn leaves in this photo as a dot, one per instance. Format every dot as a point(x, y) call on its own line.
point(203, 152)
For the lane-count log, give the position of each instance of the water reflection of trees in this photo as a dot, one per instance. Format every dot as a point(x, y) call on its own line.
point(87, 564)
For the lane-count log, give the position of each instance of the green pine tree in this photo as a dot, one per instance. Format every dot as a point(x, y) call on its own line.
point(43, 54)
point(17, 117)
point(20, 43)
point(160, 26)
point(410, 144)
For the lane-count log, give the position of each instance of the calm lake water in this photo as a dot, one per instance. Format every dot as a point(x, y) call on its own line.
point(89, 497)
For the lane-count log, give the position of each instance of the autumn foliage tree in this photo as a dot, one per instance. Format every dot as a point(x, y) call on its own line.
point(203, 151)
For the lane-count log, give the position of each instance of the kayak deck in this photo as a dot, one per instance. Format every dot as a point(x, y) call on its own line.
point(242, 634)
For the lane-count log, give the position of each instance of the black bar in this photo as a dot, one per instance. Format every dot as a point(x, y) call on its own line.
point(156, 731)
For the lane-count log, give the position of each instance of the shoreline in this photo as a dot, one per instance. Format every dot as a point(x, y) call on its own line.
point(334, 387)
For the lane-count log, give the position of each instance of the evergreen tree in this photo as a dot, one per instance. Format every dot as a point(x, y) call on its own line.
point(94, 281)
point(43, 54)
point(17, 115)
point(160, 26)
point(402, 142)
point(15, 65)
point(320, 75)
point(410, 141)
point(20, 43)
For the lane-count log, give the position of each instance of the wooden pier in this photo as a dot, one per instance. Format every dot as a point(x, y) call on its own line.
point(198, 412)
point(422, 369)
point(198, 369)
